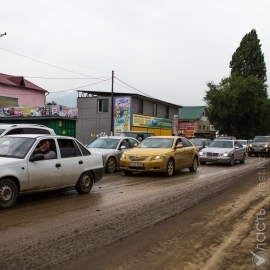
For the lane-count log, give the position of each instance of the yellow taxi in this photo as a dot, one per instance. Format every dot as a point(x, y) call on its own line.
point(161, 154)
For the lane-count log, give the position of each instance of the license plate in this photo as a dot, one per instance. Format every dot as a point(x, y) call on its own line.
point(136, 164)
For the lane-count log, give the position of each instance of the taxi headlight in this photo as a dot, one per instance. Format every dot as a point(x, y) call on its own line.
point(124, 156)
point(158, 157)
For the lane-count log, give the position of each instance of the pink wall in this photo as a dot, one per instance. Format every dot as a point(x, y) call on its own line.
point(26, 97)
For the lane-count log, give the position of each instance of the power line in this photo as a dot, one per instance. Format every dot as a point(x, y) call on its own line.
point(46, 63)
point(79, 87)
point(65, 78)
point(133, 87)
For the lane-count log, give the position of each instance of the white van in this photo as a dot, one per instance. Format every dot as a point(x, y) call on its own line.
point(11, 129)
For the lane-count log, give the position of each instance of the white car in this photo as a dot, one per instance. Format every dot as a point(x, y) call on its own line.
point(10, 129)
point(23, 172)
point(245, 144)
point(223, 151)
point(111, 148)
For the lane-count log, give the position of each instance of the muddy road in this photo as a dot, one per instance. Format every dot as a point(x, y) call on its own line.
point(204, 220)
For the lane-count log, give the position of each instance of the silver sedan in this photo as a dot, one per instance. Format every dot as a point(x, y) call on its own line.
point(111, 148)
point(223, 151)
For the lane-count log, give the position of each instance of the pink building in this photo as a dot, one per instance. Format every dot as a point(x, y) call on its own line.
point(16, 91)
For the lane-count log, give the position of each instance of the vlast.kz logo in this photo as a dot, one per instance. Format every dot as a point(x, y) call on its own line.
point(260, 259)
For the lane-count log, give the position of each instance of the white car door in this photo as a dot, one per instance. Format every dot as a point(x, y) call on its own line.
point(72, 163)
point(44, 174)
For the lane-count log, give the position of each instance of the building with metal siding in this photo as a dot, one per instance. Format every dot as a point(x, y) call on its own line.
point(99, 114)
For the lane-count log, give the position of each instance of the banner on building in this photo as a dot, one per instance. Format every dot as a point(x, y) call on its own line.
point(121, 114)
point(186, 129)
point(151, 122)
point(48, 110)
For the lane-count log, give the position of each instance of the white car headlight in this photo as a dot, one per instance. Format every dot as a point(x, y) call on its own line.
point(226, 154)
point(202, 153)
point(158, 157)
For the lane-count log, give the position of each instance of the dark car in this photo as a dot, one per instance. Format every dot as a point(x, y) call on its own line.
point(259, 145)
point(200, 142)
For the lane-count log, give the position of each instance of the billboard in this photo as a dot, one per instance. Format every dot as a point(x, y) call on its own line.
point(151, 122)
point(48, 110)
point(121, 114)
point(186, 129)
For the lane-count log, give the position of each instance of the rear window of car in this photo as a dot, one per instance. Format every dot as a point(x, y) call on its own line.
point(35, 131)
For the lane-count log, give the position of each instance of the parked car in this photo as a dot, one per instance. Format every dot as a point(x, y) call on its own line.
point(139, 135)
point(201, 142)
point(259, 145)
point(112, 148)
point(161, 154)
point(245, 144)
point(10, 129)
point(22, 171)
point(223, 151)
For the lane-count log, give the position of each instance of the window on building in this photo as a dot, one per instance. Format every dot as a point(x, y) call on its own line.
point(203, 127)
point(166, 114)
point(103, 105)
point(154, 112)
point(140, 106)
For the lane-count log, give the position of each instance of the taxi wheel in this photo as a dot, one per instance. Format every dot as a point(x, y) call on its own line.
point(170, 168)
point(8, 193)
point(85, 183)
point(111, 165)
point(194, 166)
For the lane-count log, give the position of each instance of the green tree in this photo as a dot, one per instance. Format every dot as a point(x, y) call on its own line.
point(248, 58)
point(238, 106)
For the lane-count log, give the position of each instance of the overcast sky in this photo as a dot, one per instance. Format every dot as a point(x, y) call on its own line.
point(167, 49)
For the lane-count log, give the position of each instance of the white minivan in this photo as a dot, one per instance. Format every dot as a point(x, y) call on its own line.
point(11, 129)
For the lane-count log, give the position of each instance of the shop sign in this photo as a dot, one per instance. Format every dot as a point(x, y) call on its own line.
point(151, 122)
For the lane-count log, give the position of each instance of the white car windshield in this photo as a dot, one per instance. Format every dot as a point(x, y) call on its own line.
point(15, 147)
point(106, 143)
point(243, 142)
point(222, 144)
point(156, 143)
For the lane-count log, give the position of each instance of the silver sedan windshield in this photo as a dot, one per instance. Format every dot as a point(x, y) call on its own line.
point(222, 144)
point(106, 143)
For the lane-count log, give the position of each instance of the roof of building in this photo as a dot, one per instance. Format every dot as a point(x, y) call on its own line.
point(115, 94)
point(18, 81)
point(191, 112)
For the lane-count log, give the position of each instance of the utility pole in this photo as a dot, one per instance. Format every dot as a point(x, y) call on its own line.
point(112, 108)
point(3, 34)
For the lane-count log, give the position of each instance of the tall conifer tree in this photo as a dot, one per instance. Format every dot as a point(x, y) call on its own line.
point(248, 58)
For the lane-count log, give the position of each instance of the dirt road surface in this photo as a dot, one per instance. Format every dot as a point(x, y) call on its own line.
point(205, 220)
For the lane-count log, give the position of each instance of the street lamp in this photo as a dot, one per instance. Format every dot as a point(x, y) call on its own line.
point(3, 34)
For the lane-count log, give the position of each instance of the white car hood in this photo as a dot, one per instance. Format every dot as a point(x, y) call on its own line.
point(101, 150)
point(8, 162)
point(216, 150)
